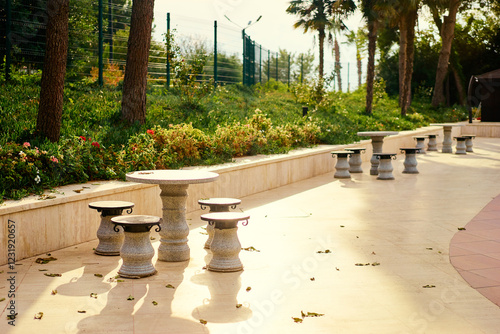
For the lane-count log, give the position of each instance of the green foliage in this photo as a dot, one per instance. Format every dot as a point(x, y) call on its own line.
point(232, 121)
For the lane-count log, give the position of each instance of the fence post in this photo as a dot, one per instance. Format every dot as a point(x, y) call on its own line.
point(268, 65)
point(215, 54)
point(301, 69)
point(244, 56)
point(110, 29)
point(277, 77)
point(289, 61)
point(8, 43)
point(168, 40)
point(100, 80)
point(260, 63)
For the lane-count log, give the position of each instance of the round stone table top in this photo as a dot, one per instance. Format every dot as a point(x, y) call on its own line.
point(172, 176)
point(111, 205)
point(377, 133)
point(446, 124)
point(136, 220)
point(341, 153)
point(219, 201)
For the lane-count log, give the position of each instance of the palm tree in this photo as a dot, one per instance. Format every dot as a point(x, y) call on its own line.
point(315, 15)
point(373, 15)
point(359, 40)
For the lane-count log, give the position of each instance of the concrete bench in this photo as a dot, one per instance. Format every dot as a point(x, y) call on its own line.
point(410, 162)
point(385, 165)
point(226, 246)
point(460, 148)
point(342, 165)
point(110, 242)
point(355, 159)
point(468, 142)
point(420, 143)
point(217, 205)
point(432, 143)
point(136, 251)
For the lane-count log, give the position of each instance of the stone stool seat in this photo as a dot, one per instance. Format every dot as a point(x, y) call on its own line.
point(355, 159)
point(432, 144)
point(110, 242)
point(468, 142)
point(385, 166)
point(226, 245)
point(420, 143)
point(342, 165)
point(461, 147)
point(217, 205)
point(410, 162)
point(137, 251)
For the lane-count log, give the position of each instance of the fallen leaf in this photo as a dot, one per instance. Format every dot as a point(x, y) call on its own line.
point(337, 269)
point(12, 316)
point(248, 289)
point(297, 320)
point(152, 238)
point(312, 279)
point(461, 228)
point(170, 286)
point(93, 295)
point(428, 286)
point(362, 264)
point(310, 314)
point(373, 253)
point(45, 260)
point(238, 305)
point(98, 275)
point(429, 248)
point(324, 252)
point(120, 280)
point(54, 292)
point(43, 270)
point(342, 226)
point(130, 297)
point(2, 299)
point(78, 190)
point(203, 233)
point(204, 322)
point(39, 315)
point(53, 275)
point(155, 303)
point(82, 311)
point(251, 249)
point(376, 264)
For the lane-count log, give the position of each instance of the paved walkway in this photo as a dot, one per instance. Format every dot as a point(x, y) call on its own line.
point(364, 255)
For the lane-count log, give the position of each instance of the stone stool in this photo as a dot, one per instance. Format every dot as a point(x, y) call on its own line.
point(355, 159)
point(420, 143)
point(432, 144)
point(342, 165)
point(410, 162)
point(468, 142)
point(461, 148)
point(226, 245)
point(137, 251)
point(385, 165)
point(110, 242)
point(217, 205)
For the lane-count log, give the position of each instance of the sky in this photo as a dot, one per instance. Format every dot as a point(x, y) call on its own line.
point(273, 31)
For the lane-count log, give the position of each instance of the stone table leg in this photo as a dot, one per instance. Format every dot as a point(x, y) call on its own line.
point(447, 142)
point(377, 143)
point(174, 229)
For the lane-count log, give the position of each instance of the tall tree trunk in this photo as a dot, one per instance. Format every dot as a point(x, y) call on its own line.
point(48, 122)
point(321, 52)
point(337, 64)
point(370, 73)
point(410, 52)
point(459, 85)
point(136, 70)
point(447, 34)
point(403, 41)
point(360, 69)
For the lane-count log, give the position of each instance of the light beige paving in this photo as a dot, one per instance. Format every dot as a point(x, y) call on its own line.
point(399, 230)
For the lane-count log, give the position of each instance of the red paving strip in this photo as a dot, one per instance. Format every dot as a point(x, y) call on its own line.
point(475, 251)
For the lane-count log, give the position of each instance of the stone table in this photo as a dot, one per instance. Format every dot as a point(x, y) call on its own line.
point(377, 143)
point(447, 142)
point(174, 229)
